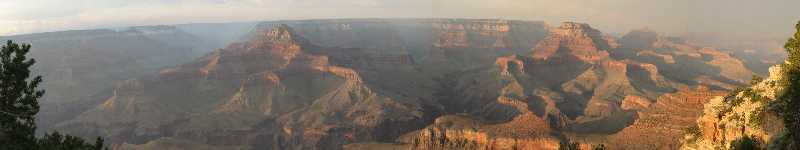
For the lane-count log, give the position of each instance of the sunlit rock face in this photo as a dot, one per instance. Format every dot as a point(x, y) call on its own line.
point(576, 39)
point(416, 84)
point(458, 132)
point(740, 114)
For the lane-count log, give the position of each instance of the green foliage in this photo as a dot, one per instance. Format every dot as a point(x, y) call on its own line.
point(745, 143)
point(753, 95)
point(732, 99)
point(19, 104)
point(18, 97)
point(98, 144)
point(568, 145)
point(778, 143)
point(788, 105)
point(57, 141)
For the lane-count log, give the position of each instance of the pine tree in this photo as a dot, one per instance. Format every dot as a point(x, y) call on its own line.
point(58, 141)
point(788, 105)
point(19, 104)
point(98, 144)
point(18, 97)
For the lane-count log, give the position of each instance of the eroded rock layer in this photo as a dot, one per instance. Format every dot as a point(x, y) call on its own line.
point(418, 84)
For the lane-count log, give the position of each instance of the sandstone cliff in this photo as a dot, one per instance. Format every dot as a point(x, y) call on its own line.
point(458, 132)
point(582, 41)
point(742, 113)
point(566, 88)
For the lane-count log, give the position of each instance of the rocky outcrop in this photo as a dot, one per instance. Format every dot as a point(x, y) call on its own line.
point(576, 39)
point(458, 132)
point(658, 123)
point(741, 113)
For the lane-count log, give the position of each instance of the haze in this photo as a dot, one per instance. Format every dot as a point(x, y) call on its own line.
point(399, 74)
point(762, 19)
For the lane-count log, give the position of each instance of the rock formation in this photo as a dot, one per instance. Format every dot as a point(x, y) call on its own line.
point(417, 84)
point(582, 41)
point(742, 113)
point(275, 80)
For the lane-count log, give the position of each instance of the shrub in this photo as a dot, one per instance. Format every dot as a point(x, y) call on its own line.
point(568, 145)
point(745, 143)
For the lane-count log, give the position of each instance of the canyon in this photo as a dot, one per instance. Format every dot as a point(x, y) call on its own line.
point(389, 84)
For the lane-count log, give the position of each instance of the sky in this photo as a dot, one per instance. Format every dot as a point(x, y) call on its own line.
point(767, 18)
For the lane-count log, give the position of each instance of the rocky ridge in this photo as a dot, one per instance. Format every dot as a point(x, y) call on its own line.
point(420, 84)
point(265, 73)
point(628, 95)
point(742, 113)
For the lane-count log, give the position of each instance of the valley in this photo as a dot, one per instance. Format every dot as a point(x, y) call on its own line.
point(384, 84)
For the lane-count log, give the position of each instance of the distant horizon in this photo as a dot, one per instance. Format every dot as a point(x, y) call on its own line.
point(550, 24)
point(763, 42)
point(773, 18)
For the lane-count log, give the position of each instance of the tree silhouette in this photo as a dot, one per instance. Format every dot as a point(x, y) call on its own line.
point(788, 105)
point(19, 104)
point(18, 97)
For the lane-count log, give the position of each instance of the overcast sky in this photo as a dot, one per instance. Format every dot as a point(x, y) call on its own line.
point(735, 17)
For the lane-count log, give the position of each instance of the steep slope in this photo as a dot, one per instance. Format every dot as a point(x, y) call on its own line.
point(269, 92)
point(569, 88)
point(592, 84)
point(682, 61)
point(418, 84)
point(686, 76)
point(505, 122)
point(567, 85)
point(659, 124)
point(742, 113)
point(93, 59)
point(85, 63)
